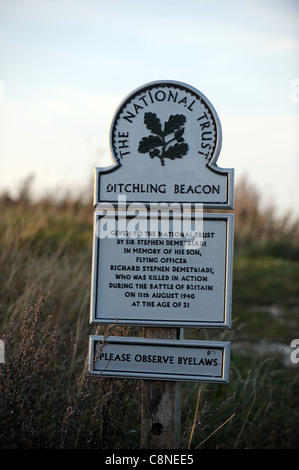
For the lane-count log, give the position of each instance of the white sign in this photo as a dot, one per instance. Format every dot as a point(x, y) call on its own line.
point(177, 360)
point(144, 275)
point(165, 139)
point(158, 260)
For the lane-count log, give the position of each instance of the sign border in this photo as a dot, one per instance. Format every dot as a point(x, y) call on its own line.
point(223, 345)
point(173, 84)
point(226, 323)
point(227, 204)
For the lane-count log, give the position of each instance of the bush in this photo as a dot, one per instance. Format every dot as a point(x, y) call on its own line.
point(43, 405)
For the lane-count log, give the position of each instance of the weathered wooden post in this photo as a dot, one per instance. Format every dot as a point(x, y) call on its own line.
point(161, 404)
point(158, 261)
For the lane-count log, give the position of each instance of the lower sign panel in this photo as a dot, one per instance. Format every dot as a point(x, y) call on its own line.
point(156, 359)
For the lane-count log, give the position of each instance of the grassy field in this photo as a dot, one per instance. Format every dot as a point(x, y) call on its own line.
point(46, 399)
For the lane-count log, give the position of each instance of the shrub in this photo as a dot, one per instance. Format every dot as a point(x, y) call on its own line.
point(44, 405)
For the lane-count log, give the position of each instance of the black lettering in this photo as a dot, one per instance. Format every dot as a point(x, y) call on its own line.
point(129, 117)
point(137, 107)
point(173, 97)
point(190, 105)
point(206, 133)
point(162, 97)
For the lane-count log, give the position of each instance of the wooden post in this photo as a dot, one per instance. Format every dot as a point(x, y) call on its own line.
point(161, 404)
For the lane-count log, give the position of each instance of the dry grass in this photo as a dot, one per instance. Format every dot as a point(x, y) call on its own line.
point(258, 227)
point(46, 399)
point(43, 404)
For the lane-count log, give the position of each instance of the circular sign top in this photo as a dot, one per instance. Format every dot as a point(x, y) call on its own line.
point(166, 121)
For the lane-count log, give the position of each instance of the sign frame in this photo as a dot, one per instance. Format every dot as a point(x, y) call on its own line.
point(157, 345)
point(96, 319)
point(228, 203)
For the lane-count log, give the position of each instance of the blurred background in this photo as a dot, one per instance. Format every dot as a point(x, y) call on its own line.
point(65, 65)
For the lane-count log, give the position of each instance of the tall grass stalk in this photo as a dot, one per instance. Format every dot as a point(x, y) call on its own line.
point(219, 427)
point(195, 418)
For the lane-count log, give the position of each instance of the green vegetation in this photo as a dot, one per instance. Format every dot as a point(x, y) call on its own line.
point(46, 398)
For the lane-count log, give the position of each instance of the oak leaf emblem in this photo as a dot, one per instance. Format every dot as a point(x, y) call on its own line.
point(157, 144)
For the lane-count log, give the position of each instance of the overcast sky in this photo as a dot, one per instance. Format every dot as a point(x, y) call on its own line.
point(65, 65)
